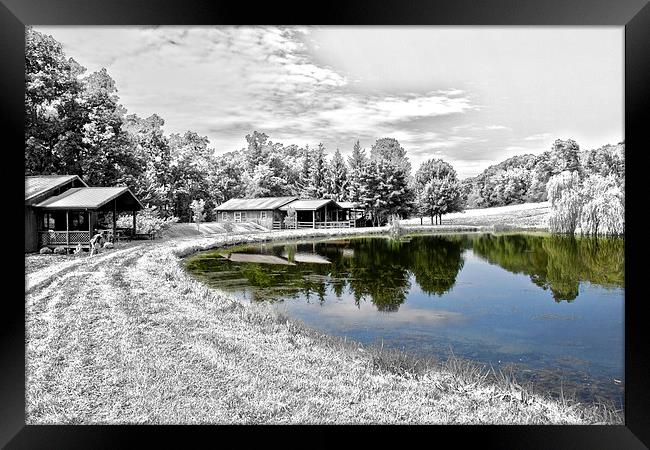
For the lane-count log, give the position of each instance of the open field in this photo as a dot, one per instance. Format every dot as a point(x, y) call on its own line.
point(128, 337)
point(525, 215)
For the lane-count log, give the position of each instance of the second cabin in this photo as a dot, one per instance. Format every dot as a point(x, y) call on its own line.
point(289, 212)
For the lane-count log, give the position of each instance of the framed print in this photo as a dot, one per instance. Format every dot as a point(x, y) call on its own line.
point(362, 214)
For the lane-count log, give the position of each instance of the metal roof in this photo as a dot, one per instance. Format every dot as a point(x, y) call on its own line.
point(38, 184)
point(247, 204)
point(85, 198)
point(348, 205)
point(308, 204)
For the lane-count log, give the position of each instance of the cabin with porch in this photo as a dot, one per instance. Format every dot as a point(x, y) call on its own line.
point(63, 211)
point(272, 212)
point(263, 211)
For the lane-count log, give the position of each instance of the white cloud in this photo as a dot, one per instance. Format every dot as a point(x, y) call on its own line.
point(538, 137)
point(225, 82)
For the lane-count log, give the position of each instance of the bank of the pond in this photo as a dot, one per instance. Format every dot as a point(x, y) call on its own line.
point(129, 337)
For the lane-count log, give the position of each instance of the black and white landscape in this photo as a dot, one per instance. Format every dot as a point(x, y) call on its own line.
point(324, 224)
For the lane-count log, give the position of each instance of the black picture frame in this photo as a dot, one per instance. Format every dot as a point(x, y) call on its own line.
point(634, 15)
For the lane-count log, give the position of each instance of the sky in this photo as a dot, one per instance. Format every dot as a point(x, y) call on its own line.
point(472, 96)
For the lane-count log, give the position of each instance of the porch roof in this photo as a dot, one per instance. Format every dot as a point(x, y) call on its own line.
point(249, 204)
point(308, 204)
point(348, 205)
point(92, 198)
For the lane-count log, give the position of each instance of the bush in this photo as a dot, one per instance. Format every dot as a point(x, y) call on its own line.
point(147, 221)
point(395, 227)
point(61, 251)
point(45, 251)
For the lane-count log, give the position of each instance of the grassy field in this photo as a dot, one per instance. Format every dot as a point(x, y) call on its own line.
point(128, 337)
point(524, 216)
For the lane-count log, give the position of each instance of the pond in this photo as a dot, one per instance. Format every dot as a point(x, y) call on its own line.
point(548, 308)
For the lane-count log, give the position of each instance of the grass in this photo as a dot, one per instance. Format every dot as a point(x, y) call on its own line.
point(504, 218)
point(130, 337)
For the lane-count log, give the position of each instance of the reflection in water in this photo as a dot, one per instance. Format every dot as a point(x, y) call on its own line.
point(552, 305)
point(557, 263)
point(381, 269)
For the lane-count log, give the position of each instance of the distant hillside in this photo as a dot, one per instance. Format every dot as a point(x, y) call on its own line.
point(523, 178)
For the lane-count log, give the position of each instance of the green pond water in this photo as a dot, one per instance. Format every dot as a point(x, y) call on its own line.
point(549, 308)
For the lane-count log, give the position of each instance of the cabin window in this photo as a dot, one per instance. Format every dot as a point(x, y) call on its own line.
point(237, 216)
point(243, 215)
point(224, 216)
point(48, 221)
point(78, 220)
point(262, 215)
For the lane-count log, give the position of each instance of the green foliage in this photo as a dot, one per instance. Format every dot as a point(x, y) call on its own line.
point(557, 263)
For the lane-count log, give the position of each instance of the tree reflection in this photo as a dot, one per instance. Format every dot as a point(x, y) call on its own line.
point(557, 263)
point(381, 269)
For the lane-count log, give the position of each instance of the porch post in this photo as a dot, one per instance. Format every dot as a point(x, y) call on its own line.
point(114, 219)
point(325, 216)
point(134, 212)
point(313, 219)
point(67, 228)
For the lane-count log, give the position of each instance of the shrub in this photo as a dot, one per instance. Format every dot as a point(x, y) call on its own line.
point(45, 251)
point(147, 221)
point(61, 251)
point(394, 227)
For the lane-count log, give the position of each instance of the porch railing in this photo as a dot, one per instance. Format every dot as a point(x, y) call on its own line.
point(51, 237)
point(310, 224)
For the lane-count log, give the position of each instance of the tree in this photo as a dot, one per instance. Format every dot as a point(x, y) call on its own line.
point(190, 163)
point(336, 180)
point(73, 123)
point(384, 190)
point(317, 174)
point(563, 191)
point(258, 145)
point(197, 207)
point(437, 189)
point(440, 196)
point(603, 206)
point(389, 149)
point(357, 162)
point(151, 148)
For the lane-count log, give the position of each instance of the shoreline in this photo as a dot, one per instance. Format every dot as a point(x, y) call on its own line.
point(190, 353)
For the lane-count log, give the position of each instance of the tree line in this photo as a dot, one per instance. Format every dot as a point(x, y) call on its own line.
point(524, 178)
point(76, 125)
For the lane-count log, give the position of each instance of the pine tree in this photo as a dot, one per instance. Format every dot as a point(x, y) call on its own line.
point(336, 182)
point(317, 174)
point(384, 190)
point(357, 162)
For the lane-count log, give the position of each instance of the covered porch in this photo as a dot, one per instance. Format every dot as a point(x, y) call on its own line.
point(74, 217)
point(326, 213)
